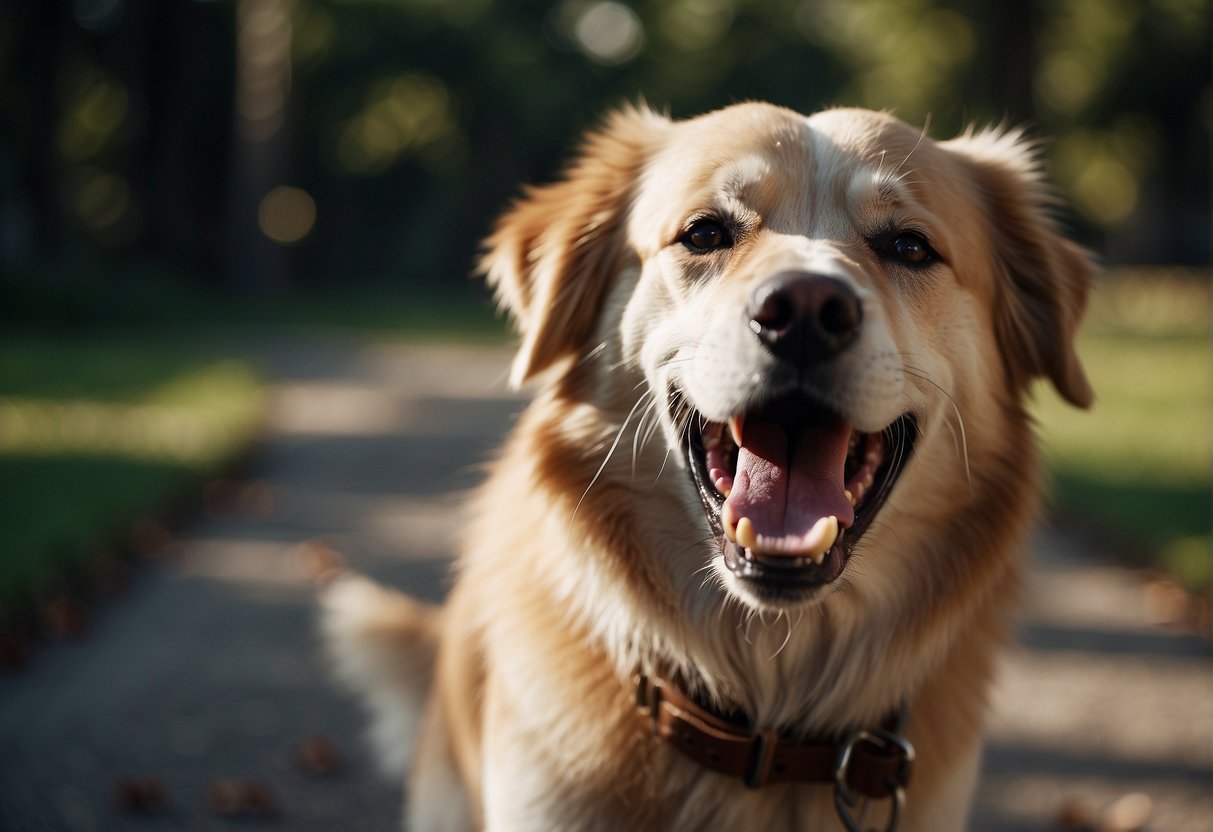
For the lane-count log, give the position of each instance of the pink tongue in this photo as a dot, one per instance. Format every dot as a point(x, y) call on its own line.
point(785, 491)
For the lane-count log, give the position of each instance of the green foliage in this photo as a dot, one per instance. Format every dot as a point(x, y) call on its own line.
point(1137, 464)
point(411, 122)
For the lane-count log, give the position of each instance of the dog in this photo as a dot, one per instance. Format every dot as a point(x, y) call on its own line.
point(747, 559)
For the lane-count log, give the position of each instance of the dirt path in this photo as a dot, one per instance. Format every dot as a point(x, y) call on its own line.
point(208, 668)
point(1098, 704)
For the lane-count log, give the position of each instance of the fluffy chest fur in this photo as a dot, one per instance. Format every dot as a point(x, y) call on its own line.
point(778, 453)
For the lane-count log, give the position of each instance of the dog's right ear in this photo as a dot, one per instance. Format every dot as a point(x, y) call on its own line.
point(552, 255)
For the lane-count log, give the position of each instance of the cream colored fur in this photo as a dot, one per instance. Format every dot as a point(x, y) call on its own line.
point(588, 555)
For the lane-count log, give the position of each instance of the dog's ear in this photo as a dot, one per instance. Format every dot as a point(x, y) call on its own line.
point(551, 256)
point(1042, 277)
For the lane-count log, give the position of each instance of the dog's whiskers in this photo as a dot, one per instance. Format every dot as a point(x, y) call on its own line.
point(664, 461)
point(654, 425)
point(592, 353)
point(749, 620)
point(637, 442)
point(610, 453)
point(926, 127)
point(963, 447)
point(787, 637)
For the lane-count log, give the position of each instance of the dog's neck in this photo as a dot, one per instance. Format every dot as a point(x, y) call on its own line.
point(875, 762)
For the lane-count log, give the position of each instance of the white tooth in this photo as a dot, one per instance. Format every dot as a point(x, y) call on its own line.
point(735, 429)
point(873, 458)
point(726, 520)
point(850, 497)
point(724, 485)
point(745, 534)
point(821, 537)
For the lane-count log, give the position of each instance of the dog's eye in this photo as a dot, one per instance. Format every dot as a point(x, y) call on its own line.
point(912, 249)
point(705, 235)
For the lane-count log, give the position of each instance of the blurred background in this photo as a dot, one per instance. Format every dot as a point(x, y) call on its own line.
point(259, 146)
point(179, 178)
point(168, 165)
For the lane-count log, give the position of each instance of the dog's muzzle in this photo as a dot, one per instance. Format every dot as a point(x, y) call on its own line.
point(789, 485)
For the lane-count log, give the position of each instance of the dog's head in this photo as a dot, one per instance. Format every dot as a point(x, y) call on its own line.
point(834, 320)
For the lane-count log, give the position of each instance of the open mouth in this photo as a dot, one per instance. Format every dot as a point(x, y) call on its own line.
point(790, 488)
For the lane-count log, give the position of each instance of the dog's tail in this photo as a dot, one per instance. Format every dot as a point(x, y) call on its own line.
point(383, 646)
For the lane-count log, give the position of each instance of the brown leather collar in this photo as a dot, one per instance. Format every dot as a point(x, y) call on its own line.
point(874, 763)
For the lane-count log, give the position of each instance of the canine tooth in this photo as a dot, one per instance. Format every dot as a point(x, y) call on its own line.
point(735, 429)
point(745, 534)
point(821, 537)
point(726, 520)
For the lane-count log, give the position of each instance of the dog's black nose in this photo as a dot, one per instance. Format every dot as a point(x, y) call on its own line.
point(804, 317)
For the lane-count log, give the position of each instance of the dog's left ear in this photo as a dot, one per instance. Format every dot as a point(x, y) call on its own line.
point(551, 256)
point(1042, 278)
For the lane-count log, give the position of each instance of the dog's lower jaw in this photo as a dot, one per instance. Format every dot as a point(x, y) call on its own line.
point(763, 588)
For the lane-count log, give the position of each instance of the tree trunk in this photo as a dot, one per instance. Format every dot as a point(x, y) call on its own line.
point(256, 265)
point(1014, 59)
point(42, 170)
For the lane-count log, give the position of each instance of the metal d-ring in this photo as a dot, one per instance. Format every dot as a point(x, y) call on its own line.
point(845, 800)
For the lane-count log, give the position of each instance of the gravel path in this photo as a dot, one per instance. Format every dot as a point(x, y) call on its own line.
point(196, 693)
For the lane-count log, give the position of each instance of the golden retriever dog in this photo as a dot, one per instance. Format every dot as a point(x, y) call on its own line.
point(747, 558)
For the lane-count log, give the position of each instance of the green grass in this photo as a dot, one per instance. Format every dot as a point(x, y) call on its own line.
point(98, 431)
point(1137, 466)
